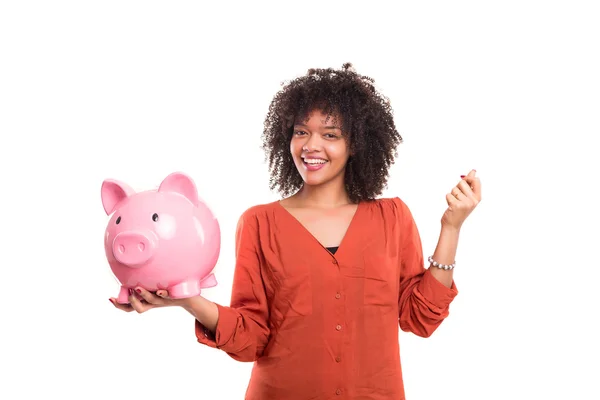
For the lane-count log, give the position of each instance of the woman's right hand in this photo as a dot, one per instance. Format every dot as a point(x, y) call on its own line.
point(142, 300)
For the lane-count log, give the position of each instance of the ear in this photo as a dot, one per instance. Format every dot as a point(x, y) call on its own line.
point(113, 192)
point(182, 184)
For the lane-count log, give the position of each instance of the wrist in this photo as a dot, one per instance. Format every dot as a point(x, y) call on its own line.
point(448, 229)
point(188, 303)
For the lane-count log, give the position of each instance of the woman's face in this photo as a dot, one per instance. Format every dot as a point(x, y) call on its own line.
point(319, 150)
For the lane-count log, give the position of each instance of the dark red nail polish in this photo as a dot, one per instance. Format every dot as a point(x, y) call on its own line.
point(462, 176)
point(111, 301)
point(138, 290)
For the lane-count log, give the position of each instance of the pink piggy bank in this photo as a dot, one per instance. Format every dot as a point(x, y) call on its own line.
point(160, 239)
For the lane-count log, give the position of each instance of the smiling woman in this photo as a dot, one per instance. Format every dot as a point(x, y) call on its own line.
point(326, 106)
point(317, 146)
point(326, 275)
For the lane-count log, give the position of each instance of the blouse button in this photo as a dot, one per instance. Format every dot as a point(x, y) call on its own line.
point(338, 327)
point(337, 295)
point(338, 391)
point(334, 261)
point(338, 359)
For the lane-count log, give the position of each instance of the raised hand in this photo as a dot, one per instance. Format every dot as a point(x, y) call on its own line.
point(462, 200)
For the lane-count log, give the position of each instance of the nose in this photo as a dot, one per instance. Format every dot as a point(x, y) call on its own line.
point(311, 144)
point(133, 248)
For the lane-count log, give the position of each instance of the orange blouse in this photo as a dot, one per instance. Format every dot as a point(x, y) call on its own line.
point(325, 326)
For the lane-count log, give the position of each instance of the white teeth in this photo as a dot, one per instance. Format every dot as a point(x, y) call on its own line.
point(314, 161)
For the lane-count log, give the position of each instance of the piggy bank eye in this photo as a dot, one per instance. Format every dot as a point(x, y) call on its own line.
point(155, 217)
point(118, 220)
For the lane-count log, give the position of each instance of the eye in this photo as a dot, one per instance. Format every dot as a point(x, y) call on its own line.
point(118, 221)
point(155, 217)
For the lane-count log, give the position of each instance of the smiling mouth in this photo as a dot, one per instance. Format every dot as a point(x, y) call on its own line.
point(314, 161)
point(314, 164)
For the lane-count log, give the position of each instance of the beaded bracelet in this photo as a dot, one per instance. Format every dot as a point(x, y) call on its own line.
point(442, 266)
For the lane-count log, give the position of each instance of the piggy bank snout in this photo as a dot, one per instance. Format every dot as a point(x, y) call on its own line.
point(133, 248)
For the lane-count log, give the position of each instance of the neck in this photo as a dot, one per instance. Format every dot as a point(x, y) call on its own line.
point(328, 195)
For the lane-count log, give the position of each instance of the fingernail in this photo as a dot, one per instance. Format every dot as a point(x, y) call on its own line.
point(462, 176)
point(111, 301)
point(138, 290)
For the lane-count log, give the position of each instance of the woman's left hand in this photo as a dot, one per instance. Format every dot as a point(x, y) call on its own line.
point(462, 200)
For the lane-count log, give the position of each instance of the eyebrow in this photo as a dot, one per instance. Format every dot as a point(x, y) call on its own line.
point(325, 127)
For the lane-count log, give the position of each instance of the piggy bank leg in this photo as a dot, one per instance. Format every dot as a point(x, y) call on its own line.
point(209, 281)
point(185, 289)
point(123, 296)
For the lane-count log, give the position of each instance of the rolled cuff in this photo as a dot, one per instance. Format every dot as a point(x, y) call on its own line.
point(226, 326)
point(435, 292)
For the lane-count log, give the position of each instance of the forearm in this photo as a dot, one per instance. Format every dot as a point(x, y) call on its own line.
point(205, 311)
point(241, 332)
point(445, 253)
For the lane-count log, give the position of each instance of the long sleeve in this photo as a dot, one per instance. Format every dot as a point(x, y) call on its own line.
point(242, 329)
point(423, 301)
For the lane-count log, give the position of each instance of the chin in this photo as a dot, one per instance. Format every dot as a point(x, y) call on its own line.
point(315, 182)
point(318, 177)
point(312, 179)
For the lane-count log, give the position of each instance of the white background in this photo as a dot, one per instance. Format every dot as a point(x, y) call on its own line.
point(134, 90)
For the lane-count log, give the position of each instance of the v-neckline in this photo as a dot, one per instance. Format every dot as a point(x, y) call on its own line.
point(345, 238)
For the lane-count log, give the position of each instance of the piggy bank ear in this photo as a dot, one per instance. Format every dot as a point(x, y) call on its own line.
point(113, 192)
point(178, 182)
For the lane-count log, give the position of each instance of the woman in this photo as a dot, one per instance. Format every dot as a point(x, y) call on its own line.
point(325, 276)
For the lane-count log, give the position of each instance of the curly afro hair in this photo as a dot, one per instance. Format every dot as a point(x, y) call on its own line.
point(367, 124)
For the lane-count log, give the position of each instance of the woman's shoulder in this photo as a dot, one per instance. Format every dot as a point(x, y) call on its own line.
point(389, 206)
point(259, 211)
point(388, 202)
